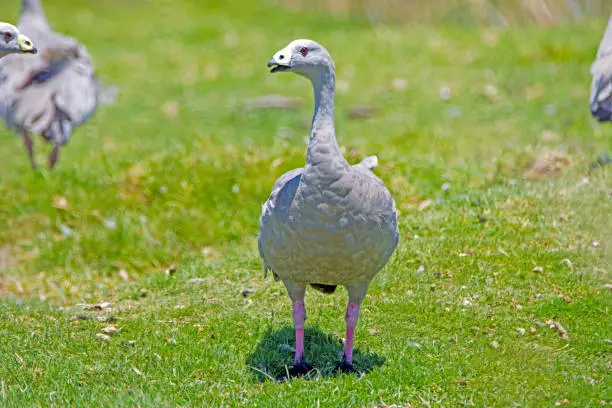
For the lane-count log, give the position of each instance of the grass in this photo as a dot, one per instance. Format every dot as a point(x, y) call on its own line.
point(500, 230)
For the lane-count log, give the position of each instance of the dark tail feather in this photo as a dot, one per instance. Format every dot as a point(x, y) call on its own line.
point(60, 130)
point(327, 289)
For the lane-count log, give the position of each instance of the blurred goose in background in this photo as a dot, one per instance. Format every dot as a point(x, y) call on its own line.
point(52, 93)
point(601, 88)
point(328, 223)
point(13, 42)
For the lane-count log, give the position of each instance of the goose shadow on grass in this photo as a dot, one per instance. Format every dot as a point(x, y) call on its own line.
point(272, 357)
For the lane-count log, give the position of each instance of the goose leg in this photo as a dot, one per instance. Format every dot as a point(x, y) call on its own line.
point(356, 295)
point(351, 318)
point(27, 141)
point(299, 318)
point(297, 292)
point(53, 156)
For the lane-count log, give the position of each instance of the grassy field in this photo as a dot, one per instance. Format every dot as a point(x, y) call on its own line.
point(484, 138)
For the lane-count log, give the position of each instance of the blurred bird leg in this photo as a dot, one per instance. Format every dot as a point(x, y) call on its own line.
point(27, 141)
point(53, 156)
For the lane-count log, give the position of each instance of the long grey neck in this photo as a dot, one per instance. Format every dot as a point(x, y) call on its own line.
point(322, 147)
point(33, 9)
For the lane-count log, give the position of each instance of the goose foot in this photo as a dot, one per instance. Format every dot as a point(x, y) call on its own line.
point(300, 369)
point(297, 370)
point(345, 367)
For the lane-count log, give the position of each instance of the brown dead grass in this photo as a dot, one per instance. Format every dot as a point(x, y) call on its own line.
point(487, 12)
point(547, 164)
point(6, 260)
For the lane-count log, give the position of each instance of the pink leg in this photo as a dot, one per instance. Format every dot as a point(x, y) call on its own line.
point(296, 293)
point(299, 317)
point(300, 367)
point(27, 141)
point(53, 156)
point(351, 317)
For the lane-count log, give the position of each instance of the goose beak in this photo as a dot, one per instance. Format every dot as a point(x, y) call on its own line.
point(276, 67)
point(26, 45)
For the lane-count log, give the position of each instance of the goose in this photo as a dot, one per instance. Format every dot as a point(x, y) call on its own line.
point(13, 42)
point(601, 70)
point(51, 93)
point(329, 223)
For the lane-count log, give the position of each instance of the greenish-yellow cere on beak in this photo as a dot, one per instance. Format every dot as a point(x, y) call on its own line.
point(26, 44)
point(283, 57)
point(281, 60)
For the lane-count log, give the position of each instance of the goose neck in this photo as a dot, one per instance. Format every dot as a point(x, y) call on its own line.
point(322, 146)
point(324, 86)
point(32, 6)
point(33, 10)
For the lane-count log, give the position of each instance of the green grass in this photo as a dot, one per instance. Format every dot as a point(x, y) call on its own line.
point(439, 325)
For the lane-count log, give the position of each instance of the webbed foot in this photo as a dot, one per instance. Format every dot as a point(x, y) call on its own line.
point(345, 367)
point(297, 370)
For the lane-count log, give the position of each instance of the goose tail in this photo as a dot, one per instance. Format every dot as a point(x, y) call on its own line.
point(369, 162)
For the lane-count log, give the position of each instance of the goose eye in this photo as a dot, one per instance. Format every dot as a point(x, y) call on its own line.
point(304, 51)
point(8, 36)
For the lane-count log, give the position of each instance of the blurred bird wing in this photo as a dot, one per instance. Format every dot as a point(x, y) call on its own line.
point(33, 110)
point(76, 92)
point(602, 66)
point(14, 71)
point(603, 61)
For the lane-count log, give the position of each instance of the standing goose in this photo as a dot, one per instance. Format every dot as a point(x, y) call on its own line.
point(328, 223)
point(601, 89)
point(52, 93)
point(13, 42)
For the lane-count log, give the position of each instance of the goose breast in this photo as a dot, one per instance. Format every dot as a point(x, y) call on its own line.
point(335, 234)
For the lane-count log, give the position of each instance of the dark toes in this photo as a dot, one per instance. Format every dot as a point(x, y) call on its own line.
point(297, 370)
point(300, 369)
point(346, 368)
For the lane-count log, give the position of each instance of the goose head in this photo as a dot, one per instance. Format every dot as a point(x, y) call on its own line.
point(13, 42)
point(303, 57)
